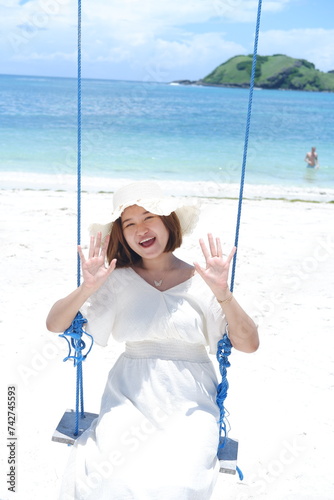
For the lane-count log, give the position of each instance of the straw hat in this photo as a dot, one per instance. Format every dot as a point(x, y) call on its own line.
point(149, 195)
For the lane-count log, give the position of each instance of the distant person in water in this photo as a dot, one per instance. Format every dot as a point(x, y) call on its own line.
point(311, 158)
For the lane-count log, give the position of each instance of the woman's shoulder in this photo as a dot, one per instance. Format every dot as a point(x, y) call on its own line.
point(120, 274)
point(116, 281)
point(201, 291)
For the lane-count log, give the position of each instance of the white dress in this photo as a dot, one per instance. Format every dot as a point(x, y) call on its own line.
point(157, 433)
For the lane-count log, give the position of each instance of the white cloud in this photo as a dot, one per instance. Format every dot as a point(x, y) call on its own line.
point(49, 56)
point(274, 5)
point(315, 45)
point(141, 16)
point(192, 58)
point(153, 13)
point(156, 15)
point(147, 38)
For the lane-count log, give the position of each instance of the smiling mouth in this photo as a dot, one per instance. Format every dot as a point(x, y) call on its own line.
point(147, 242)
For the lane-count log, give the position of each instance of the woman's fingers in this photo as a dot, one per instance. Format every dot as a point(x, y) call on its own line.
point(204, 249)
point(215, 248)
point(95, 245)
point(105, 245)
point(91, 247)
point(231, 255)
point(219, 248)
point(212, 246)
point(112, 265)
point(80, 252)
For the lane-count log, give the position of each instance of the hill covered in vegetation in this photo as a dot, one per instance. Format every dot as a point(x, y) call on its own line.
point(271, 72)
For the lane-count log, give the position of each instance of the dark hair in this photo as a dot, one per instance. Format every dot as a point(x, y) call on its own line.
point(120, 250)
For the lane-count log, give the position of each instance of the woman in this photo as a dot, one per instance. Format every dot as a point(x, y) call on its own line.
point(157, 433)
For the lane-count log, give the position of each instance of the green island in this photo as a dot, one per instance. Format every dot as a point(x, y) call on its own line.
point(272, 72)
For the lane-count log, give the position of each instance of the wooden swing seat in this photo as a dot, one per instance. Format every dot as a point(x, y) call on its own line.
point(228, 455)
point(64, 432)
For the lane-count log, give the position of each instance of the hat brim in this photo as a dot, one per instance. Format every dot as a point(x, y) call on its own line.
point(188, 214)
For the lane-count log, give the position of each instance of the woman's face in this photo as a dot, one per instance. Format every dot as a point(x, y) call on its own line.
point(145, 233)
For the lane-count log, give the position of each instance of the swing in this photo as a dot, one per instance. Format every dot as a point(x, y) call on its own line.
point(228, 448)
point(74, 423)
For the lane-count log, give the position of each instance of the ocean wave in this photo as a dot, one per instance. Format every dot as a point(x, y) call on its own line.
point(200, 189)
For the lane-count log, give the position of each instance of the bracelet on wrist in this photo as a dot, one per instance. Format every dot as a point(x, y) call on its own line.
point(229, 298)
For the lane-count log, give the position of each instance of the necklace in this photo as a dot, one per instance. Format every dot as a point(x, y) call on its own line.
point(157, 283)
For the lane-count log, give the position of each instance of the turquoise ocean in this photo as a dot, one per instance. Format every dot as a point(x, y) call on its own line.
point(189, 136)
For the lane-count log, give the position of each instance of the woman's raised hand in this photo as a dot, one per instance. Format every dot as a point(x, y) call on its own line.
point(217, 268)
point(94, 269)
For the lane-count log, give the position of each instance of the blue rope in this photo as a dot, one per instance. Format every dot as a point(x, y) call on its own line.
point(244, 159)
point(76, 346)
point(75, 331)
point(79, 400)
point(223, 352)
point(240, 474)
point(224, 345)
point(79, 144)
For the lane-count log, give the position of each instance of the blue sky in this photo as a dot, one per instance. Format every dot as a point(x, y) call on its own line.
point(158, 40)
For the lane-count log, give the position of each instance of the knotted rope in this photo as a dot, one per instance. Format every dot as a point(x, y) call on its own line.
point(76, 344)
point(224, 346)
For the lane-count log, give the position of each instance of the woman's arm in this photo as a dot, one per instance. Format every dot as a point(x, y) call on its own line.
point(63, 312)
point(94, 273)
point(242, 329)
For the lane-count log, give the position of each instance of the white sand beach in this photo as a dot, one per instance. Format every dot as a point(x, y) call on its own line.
point(280, 398)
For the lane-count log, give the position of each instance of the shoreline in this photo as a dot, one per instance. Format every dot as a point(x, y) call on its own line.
point(242, 86)
point(200, 189)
